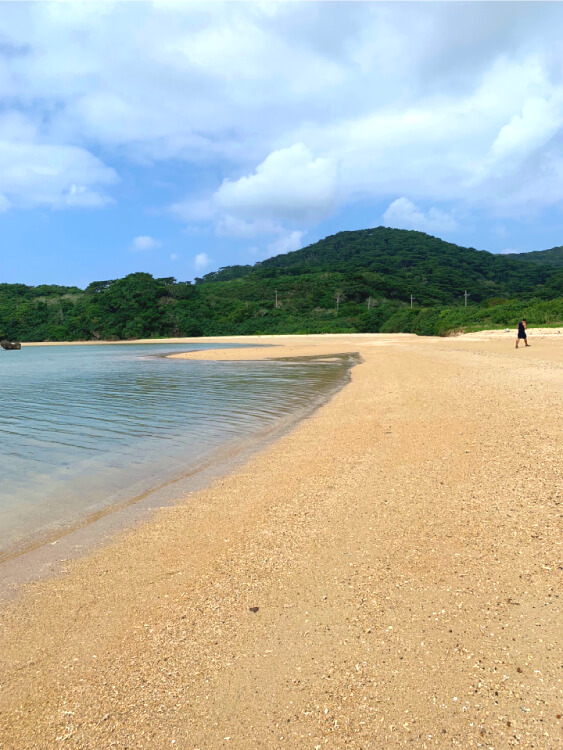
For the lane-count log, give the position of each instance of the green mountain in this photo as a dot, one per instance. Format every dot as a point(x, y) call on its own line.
point(351, 281)
point(396, 263)
point(552, 257)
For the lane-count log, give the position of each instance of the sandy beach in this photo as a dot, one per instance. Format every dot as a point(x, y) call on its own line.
point(386, 575)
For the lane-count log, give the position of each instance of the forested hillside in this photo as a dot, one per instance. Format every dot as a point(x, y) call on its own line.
point(352, 281)
point(396, 263)
point(551, 257)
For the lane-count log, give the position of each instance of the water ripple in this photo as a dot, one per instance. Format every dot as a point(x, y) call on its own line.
point(87, 424)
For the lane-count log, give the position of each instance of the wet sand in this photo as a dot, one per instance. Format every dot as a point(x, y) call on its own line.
point(387, 574)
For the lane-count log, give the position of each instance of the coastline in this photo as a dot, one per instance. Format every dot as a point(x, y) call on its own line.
point(49, 552)
point(399, 547)
point(486, 334)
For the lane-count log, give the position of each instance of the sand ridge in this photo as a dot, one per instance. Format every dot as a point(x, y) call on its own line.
point(386, 575)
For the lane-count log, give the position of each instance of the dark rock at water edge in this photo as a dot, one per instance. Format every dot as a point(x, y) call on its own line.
point(10, 344)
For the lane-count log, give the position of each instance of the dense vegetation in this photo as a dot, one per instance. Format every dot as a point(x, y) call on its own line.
point(352, 281)
point(551, 257)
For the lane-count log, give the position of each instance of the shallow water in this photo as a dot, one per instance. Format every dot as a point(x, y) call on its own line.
point(87, 427)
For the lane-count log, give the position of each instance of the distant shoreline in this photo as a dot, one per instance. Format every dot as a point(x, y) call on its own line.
point(488, 333)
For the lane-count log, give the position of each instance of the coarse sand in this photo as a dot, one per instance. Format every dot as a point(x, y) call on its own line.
point(386, 575)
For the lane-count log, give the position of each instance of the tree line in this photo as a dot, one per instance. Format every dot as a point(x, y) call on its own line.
point(352, 281)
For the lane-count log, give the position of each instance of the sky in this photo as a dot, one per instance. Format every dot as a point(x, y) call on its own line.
point(177, 138)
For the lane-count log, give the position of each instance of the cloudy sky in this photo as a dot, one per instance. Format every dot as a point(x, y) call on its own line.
point(176, 138)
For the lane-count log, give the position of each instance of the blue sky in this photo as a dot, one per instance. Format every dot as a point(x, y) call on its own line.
point(176, 138)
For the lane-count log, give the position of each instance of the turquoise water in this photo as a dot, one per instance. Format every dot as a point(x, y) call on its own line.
point(83, 428)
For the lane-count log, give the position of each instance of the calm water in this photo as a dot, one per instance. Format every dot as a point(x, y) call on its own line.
point(86, 427)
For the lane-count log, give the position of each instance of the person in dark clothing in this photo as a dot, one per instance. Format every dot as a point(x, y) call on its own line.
point(522, 332)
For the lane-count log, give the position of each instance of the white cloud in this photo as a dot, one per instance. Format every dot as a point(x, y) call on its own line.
point(296, 108)
point(404, 214)
point(290, 184)
point(539, 120)
point(4, 203)
point(33, 174)
point(468, 149)
point(174, 256)
point(144, 242)
point(201, 261)
point(286, 243)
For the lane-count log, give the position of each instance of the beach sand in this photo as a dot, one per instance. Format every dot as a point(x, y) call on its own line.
point(386, 575)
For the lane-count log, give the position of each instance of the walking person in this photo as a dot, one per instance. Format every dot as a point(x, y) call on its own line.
point(522, 332)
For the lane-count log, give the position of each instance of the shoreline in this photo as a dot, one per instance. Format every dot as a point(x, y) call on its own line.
point(37, 558)
point(381, 575)
point(487, 333)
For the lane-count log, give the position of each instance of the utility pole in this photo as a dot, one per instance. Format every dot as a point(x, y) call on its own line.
point(412, 298)
point(466, 295)
point(276, 299)
point(369, 302)
point(338, 298)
